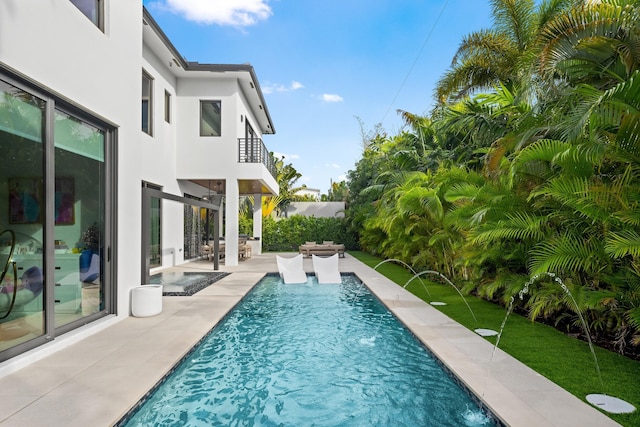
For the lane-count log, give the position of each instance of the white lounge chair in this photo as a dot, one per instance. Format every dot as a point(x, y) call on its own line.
point(291, 269)
point(327, 269)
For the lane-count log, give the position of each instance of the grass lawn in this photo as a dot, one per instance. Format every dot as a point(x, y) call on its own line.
point(564, 360)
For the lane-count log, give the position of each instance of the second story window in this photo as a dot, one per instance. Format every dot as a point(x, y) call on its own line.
point(92, 9)
point(147, 103)
point(210, 118)
point(167, 107)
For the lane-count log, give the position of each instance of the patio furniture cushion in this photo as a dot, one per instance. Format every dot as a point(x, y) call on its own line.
point(321, 249)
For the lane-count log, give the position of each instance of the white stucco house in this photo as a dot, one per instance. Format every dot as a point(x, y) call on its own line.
point(113, 148)
point(313, 193)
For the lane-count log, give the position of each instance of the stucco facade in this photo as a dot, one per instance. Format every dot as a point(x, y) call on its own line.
point(52, 50)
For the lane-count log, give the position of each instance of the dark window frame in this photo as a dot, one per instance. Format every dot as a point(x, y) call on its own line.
point(147, 104)
point(56, 103)
point(212, 102)
point(93, 10)
point(167, 106)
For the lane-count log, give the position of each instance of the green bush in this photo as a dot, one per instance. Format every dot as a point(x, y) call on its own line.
point(245, 225)
point(286, 234)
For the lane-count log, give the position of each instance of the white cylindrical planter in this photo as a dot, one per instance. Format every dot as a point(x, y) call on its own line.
point(146, 300)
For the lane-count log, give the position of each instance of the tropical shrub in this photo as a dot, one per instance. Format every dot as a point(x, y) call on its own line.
point(538, 175)
point(287, 234)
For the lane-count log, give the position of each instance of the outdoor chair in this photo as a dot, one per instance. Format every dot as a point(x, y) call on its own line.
point(327, 269)
point(291, 269)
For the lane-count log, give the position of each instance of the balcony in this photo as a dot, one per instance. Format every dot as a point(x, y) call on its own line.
point(253, 150)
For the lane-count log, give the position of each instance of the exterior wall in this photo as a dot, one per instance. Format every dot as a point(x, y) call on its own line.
point(158, 165)
point(96, 70)
point(198, 156)
point(217, 157)
point(213, 157)
point(53, 44)
point(317, 209)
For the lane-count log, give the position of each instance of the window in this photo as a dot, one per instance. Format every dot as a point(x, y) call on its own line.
point(249, 133)
point(167, 107)
point(210, 118)
point(92, 9)
point(147, 103)
point(155, 216)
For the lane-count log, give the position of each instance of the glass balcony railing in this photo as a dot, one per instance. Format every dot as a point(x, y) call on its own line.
point(253, 150)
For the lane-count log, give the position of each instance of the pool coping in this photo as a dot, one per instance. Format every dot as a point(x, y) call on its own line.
point(95, 375)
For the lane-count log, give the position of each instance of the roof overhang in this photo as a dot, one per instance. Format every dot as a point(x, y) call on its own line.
point(161, 46)
point(245, 186)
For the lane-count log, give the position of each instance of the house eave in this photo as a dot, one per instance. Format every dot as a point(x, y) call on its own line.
point(163, 48)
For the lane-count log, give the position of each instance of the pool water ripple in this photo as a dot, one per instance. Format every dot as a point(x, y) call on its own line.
point(309, 355)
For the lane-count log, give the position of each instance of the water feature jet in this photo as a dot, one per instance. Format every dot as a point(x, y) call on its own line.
point(406, 265)
point(480, 331)
point(602, 401)
point(442, 276)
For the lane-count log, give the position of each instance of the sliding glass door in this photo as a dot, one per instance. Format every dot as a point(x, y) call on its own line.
point(22, 303)
point(54, 217)
point(79, 218)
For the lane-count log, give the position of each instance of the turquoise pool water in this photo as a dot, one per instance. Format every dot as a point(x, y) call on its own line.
point(309, 355)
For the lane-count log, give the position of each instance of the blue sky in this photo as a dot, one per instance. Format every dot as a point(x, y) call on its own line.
point(325, 66)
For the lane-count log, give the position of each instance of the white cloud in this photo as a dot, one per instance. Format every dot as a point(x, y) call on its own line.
point(238, 13)
point(275, 87)
point(332, 165)
point(331, 97)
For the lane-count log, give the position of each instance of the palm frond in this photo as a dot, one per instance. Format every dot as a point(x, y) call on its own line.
point(590, 201)
point(633, 317)
point(517, 226)
point(420, 201)
point(516, 19)
point(543, 149)
point(563, 35)
point(623, 243)
point(462, 192)
point(566, 253)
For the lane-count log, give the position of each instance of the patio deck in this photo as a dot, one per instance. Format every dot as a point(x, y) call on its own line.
point(97, 374)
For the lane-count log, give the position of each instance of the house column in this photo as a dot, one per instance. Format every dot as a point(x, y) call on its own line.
point(232, 223)
point(257, 221)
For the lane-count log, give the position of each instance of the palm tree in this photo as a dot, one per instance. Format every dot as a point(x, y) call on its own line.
point(503, 54)
point(287, 176)
point(560, 191)
point(597, 43)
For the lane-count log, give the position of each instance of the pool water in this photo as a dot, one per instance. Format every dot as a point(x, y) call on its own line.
point(309, 355)
point(180, 283)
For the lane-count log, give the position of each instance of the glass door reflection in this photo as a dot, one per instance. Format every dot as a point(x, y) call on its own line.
point(21, 216)
point(79, 212)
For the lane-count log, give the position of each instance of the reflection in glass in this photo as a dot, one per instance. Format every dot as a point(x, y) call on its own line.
point(79, 218)
point(147, 103)
point(21, 219)
point(210, 118)
point(156, 232)
point(90, 9)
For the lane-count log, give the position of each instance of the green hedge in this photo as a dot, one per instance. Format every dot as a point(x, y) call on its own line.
point(286, 234)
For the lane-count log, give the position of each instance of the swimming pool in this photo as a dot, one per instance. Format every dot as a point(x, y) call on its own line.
point(182, 283)
point(309, 355)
